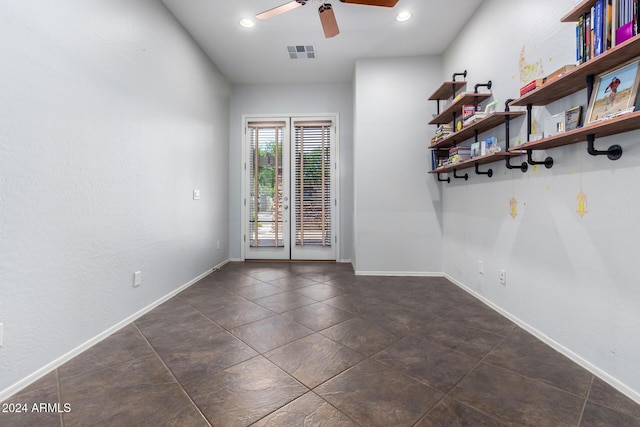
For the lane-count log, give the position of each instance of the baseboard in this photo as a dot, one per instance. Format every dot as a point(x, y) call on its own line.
point(399, 273)
point(25, 382)
point(613, 382)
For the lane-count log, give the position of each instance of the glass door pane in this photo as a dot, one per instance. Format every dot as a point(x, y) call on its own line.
point(313, 190)
point(267, 201)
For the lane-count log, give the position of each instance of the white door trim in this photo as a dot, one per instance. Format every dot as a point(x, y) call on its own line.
point(287, 117)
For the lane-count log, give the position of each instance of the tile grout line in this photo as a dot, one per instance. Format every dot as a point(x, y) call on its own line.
point(173, 376)
point(465, 376)
point(59, 396)
point(586, 400)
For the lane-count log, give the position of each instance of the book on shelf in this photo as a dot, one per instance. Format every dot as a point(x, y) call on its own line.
point(532, 85)
point(469, 110)
point(607, 24)
point(442, 132)
point(459, 154)
point(439, 158)
point(477, 116)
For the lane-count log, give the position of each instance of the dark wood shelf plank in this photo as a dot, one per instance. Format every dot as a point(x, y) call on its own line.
point(578, 11)
point(626, 123)
point(491, 121)
point(445, 91)
point(576, 78)
point(467, 98)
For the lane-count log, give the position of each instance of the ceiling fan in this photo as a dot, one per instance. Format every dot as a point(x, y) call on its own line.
point(327, 17)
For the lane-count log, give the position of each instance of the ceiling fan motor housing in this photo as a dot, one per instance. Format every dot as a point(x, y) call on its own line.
point(302, 2)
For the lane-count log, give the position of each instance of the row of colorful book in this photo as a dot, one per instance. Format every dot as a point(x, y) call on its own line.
point(451, 156)
point(606, 25)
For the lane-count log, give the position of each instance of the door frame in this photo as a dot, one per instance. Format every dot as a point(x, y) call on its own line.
point(243, 165)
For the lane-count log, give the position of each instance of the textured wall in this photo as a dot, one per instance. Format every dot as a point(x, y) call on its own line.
point(397, 205)
point(110, 117)
point(570, 278)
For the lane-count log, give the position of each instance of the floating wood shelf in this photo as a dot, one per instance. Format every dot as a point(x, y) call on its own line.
point(578, 11)
point(470, 163)
point(446, 90)
point(467, 98)
point(576, 78)
point(626, 123)
point(491, 121)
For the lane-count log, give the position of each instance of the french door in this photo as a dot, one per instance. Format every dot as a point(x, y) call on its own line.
point(290, 178)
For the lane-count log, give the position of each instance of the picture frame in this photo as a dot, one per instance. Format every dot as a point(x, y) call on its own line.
point(614, 92)
point(554, 125)
point(572, 118)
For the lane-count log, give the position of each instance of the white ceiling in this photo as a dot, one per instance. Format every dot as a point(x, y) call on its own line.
point(259, 54)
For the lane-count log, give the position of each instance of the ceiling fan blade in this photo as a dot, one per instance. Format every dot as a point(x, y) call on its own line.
point(328, 20)
point(385, 3)
point(280, 9)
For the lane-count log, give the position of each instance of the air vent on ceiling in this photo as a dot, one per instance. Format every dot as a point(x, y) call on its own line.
point(302, 52)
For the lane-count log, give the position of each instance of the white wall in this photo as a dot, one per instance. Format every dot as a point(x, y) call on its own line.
point(111, 116)
point(398, 221)
point(571, 279)
point(293, 99)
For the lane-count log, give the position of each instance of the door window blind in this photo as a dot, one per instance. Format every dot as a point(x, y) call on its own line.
point(312, 187)
point(265, 184)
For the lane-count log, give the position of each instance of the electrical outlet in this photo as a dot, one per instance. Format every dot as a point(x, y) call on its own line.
point(196, 194)
point(137, 279)
point(503, 277)
point(480, 267)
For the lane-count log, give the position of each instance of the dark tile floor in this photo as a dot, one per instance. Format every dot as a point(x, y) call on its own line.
point(311, 344)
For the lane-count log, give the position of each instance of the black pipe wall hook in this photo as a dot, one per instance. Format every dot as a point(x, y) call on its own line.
point(613, 153)
point(455, 175)
point(463, 74)
point(489, 173)
point(448, 180)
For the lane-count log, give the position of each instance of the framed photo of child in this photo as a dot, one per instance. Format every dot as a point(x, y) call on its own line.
point(614, 92)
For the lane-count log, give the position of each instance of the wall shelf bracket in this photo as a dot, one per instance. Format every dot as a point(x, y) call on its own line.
point(523, 166)
point(613, 153)
point(548, 162)
point(455, 175)
point(463, 74)
point(489, 173)
point(487, 85)
point(448, 180)
point(507, 121)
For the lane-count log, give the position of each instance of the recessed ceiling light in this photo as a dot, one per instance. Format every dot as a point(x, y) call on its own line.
point(247, 23)
point(403, 16)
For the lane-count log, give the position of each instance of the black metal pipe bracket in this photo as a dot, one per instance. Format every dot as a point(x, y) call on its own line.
point(487, 85)
point(448, 180)
point(489, 173)
point(548, 162)
point(507, 161)
point(463, 74)
point(523, 166)
point(613, 153)
point(455, 175)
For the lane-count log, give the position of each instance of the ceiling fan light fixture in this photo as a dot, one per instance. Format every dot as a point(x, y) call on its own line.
point(247, 23)
point(403, 16)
